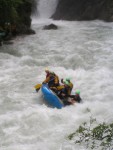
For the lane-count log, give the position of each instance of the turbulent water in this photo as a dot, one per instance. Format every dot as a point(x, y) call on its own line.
point(80, 50)
point(46, 8)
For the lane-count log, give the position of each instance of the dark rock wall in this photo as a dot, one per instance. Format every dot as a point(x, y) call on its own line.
point(84, 10)
point(24, 11)
point(15, 15)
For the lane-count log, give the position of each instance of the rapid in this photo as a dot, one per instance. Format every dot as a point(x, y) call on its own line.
point(80, 50)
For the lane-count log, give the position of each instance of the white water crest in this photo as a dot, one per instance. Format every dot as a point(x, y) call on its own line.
point(46, 8)
point(80, 50)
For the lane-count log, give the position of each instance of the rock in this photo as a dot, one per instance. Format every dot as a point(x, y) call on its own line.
point(50, 27)
point(1, 42)
point(84, 10)
point(29, 31)
point(23, 29)
point(7, 42)
point(24, 11)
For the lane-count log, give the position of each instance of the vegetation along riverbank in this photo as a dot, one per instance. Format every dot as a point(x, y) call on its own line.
point(15, 18)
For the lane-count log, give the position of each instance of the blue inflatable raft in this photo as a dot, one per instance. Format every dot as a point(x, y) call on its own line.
point(50, 97)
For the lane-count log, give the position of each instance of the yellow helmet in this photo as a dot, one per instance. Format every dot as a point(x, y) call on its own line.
point(46, 69)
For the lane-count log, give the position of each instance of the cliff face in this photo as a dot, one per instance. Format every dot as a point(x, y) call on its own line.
point(24, 12)
point(15, 15)
point(84, 10)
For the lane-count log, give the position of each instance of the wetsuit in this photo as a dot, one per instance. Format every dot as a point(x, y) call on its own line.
point(76, 98)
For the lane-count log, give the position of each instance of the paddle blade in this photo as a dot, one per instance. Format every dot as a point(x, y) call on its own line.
point(38, 86)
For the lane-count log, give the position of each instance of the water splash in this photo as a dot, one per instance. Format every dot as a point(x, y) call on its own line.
point(46, 8)
point(80, 50)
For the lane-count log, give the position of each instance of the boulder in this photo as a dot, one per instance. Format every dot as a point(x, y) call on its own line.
point(50, 27)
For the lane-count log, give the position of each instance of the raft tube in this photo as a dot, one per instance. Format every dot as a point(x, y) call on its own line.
point(50, 97)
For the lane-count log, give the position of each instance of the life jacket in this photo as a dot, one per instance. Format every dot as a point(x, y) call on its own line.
point(56, 80)
point(71, 85)
point(64, 90)
point(52, 80)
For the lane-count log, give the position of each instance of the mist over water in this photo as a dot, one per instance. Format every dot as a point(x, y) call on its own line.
point(80, 50)
point(46, 8)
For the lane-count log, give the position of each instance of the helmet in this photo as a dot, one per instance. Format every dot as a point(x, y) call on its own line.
point(66, 82)
point(68, 79)
point(46, 69)
point(77, 91)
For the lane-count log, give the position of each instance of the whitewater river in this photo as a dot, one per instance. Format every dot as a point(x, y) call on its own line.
point(80, 50)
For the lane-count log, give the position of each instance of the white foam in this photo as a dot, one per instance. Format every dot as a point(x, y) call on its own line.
point(75, 50)
point(46, 8)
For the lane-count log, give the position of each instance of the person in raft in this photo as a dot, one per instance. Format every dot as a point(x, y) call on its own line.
point(51, 78)
point(75, 98)
point(47, 72)
point(63, 92)
point(70, 83)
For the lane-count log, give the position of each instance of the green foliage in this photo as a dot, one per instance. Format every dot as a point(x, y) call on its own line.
point(9, 10)
point(98, 137)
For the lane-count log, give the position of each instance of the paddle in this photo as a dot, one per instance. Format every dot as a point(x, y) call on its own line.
point(37, 87)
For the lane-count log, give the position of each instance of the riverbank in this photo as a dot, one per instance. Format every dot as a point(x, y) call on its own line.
point(15, 18)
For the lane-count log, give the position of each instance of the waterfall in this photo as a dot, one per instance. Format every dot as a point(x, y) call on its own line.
point(34, 9)
point(46, 8)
